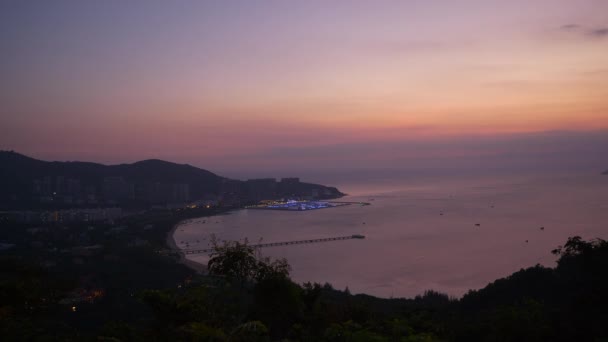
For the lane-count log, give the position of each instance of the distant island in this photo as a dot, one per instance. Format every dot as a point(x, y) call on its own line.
point(605, 172)
point(29, 183)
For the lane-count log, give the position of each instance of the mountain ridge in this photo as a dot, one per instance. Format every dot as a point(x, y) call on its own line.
point(29, 182)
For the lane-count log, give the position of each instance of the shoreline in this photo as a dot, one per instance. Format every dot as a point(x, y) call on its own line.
point(193, 265)
point(198, 267)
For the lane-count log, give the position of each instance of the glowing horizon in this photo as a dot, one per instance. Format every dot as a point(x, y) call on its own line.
point(210, 82)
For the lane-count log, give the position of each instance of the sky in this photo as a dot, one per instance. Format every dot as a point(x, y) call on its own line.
point(247, 87)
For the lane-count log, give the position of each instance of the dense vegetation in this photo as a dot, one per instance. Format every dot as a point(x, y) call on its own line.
point(250, 298)
point(97, 268)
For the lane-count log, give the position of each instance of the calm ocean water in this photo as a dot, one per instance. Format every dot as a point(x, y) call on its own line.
point(410, 246)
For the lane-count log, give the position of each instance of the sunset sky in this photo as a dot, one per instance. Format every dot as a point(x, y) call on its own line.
point(255, 85)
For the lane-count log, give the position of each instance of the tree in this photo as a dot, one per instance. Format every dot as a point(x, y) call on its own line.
point(254, 331)
point(233, 260)
point(272, 269)
point(236, 260)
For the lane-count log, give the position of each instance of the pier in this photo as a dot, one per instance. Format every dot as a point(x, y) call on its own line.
point(284, 243)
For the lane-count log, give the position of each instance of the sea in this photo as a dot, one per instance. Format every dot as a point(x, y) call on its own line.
point(448, 234)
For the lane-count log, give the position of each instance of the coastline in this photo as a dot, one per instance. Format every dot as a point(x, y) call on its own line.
point(171, 244)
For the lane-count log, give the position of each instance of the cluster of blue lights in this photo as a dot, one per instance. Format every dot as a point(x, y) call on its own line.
point(293, 205)
point(297, 205)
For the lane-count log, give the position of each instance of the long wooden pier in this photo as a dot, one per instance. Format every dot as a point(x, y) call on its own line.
point(284, 243)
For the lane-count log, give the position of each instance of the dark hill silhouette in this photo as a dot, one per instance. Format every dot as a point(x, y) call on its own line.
point(28, 183)
point(605, 172)
point(15, 164)
point(564, 303)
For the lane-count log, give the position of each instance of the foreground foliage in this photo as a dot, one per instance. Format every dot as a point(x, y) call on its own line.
point(250, 298)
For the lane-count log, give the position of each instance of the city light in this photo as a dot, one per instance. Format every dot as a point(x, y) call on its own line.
point(297, 205)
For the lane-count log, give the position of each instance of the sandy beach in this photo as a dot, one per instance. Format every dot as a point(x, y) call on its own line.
point(171, 244)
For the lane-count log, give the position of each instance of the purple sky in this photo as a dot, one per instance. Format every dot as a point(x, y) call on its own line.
point(252, 86)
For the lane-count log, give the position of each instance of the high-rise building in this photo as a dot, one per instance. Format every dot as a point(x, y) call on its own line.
point(180, 193)
point(288, 186)
point(117, 189)
point(261, 189)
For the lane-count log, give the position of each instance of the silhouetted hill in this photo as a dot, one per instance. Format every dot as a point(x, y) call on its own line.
point(30, 183)
point(564, 303)
point(605, 172)
point(15, 166)
point(24, 179)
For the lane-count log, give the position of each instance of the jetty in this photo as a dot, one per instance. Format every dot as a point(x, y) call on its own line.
point(277, 244)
